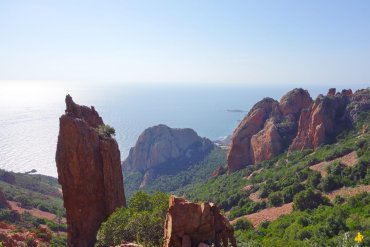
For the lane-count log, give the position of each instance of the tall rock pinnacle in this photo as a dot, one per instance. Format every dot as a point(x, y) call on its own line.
point(89, 170)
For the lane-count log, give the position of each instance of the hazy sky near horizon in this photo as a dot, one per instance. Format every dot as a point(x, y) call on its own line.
point(194, 41)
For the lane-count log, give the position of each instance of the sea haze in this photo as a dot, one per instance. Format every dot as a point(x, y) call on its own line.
point(29, 117)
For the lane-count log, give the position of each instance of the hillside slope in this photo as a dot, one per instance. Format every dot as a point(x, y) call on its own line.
point(33, 212)
point(280, 181)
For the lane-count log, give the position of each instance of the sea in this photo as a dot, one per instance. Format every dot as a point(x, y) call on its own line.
point(29, 114)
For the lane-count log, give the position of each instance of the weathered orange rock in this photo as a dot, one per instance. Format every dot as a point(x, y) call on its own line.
point(266, 144)
point(317, 124)
point(190, 224)
point(240, 152)
point(258, 137)
point(89, 170)
point(294, 101)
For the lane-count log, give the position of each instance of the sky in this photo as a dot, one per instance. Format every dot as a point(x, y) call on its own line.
point(186, 42)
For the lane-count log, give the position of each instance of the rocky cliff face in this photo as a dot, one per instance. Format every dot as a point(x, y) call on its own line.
point(190, 224)
point(267, 129)
point(161, 149)
point(324, 119)
point(89, 170)
point(294, 123)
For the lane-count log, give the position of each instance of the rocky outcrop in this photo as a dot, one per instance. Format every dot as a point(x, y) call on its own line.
point(321, 122)
point(295, 123)
point(89, 170)
point(190, 224)
point(267, 143)
point(240, 152)
point(267, 129)
point(161, 149)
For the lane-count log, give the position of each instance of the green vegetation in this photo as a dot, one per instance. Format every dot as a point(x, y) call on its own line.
point(309, 199)
point(196, 173)
point(59, 241)
point(106, 130)
point(32, 191)
point(281, 178)
point(334, 225)
point(141, 222)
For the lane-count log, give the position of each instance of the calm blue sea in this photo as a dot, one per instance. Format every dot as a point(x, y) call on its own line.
point(29, 117)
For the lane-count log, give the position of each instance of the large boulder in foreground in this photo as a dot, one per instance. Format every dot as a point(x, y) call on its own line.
point(190, 224)
point(89, 170)
point(161, 150)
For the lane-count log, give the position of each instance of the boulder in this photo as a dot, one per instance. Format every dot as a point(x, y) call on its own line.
point(89, 170)
point(196, 224)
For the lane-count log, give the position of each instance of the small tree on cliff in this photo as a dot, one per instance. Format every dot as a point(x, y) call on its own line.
point(106, 130)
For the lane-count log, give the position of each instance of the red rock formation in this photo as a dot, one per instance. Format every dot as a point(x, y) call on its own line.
point(190, 224)
point(89, 170)
point(321, 121)
point(240, 152)
point(258, 137)
point(266, 144)
point(296, 123)
point(332, 91)
point(161, 148)
point(294, 101)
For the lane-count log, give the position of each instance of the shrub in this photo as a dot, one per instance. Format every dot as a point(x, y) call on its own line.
point(9, 215)
point(276, 199)
point(243, 224)
point(106, 130)
point(58, 241)
point(142, 222)
point(339, 200)
point(308, 199)
point(290, 191)
point(304, 234)
point(330, 183)
point(314, 179)
point(265, 224)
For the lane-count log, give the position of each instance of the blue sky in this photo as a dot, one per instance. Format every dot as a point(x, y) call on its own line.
point(200, 41)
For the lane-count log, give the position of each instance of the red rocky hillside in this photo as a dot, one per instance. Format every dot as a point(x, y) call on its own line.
point(296, 122)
